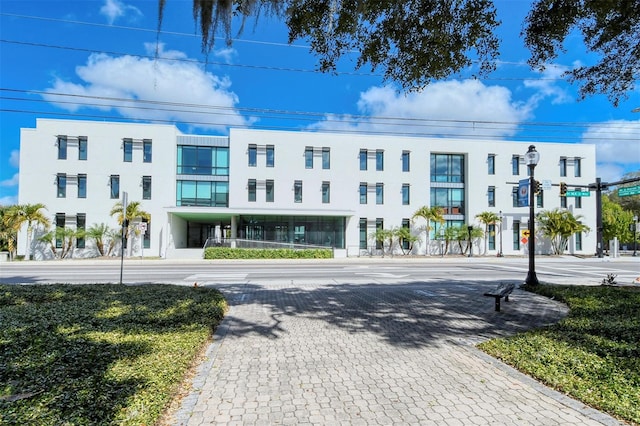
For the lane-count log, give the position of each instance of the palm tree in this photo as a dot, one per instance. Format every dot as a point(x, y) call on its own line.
point(404, 235)
point(487, 218)
point(33, 215)
point(66, 235)
point(133, 213)
point(430, 214)
point(8, 232)
point(559, 225)
point(99, 234)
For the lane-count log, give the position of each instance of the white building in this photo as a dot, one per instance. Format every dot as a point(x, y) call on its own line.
point(330, 189)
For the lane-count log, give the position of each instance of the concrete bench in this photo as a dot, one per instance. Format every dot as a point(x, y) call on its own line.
point(503, 290)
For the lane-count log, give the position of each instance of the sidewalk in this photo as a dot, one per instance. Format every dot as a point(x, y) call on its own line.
point(373, 354)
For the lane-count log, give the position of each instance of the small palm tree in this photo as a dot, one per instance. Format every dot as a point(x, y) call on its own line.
point(404, 235)
point(99, 234)
point(487, 218)
point(33, 215)
point(430, 214)
point(8, 232)
point(559, 225)
point(133, 212)
point(67, 237)
point(381, 236)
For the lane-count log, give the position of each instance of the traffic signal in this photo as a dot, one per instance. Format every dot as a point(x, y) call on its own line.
point(537, 187)
point(563, 189)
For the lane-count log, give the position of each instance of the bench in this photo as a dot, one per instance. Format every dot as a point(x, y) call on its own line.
point(503, 290)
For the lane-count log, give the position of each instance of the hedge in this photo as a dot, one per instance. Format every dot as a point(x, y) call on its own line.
point(244, 253)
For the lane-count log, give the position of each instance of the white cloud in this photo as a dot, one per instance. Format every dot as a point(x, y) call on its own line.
point(226, 54)
point(546, 86)
point(114, 9)
point(617, 147)
point(10, 182)
point(451, 108)
point(209, 103)
point(14, 158)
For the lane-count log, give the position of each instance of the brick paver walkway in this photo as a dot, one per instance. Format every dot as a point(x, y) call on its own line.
point(373, 354)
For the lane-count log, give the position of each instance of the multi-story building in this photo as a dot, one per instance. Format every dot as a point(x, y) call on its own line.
point(329, 189)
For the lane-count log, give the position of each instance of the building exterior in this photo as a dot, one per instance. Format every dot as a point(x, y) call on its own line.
point(327, 189)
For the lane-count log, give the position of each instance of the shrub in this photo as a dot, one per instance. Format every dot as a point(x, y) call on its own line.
point(243, 253)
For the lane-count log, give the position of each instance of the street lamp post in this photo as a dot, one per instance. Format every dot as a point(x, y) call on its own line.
point(470, 228)
point(500, 251)
point(635, 231)
point(531, 159)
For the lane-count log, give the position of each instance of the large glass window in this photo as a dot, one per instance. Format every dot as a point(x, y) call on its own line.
point(146, 151)
point(379, 160)
point(203, 160)
point(82, 186)
point(114, 184)
point(363, 193)
point(269, 191)
point(81, 224)
point(202, 193)
point(515, 165)
point(61, 182)
point(563, 167)
point(406, 161)
point(297, 191)
point(363, 159)
point(146, 187)
point(447, 168)
point(405, 194)
point(62, 147)
point(251, 190)
point(450, 199)
point(379, 193)
point(491, 164)
point(326, 158)
point(362, 227)
point(127, 150)
point(308, 157)
point(82, 148)
point(315, 230)
point(252, 153)
point(271, 156)
point(491, 196)
point(326, 192)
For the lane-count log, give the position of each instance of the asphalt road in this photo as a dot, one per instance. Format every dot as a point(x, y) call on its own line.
point(352, 270)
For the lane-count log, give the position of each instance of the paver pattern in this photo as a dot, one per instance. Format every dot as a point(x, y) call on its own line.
point(372, 353)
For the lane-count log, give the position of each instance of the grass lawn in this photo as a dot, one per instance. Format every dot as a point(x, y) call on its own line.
point(593, 355)
point(99, 354)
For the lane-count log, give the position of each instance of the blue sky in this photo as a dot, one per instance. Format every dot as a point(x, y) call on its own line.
point(103, 53)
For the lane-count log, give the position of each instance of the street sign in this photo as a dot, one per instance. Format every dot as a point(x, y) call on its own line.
point(546, 184)
point(526, 233)
point(578, 194)
point(628, 191)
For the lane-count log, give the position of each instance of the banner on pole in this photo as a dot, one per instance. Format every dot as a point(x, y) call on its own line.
point(523, 193)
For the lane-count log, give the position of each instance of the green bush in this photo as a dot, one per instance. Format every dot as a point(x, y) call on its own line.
point(243, 253)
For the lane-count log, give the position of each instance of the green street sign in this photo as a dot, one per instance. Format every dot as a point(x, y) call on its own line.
point(578, 194)
point(629, 190)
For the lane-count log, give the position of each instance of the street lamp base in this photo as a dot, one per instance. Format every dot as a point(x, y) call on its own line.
point(531, 279)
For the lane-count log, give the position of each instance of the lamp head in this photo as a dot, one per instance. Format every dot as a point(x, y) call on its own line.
point(532, 156)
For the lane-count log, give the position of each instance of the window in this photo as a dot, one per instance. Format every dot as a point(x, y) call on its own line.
point(406, 223)
point(491, 238)
point(62, 147)
point(491, 164)
point(326, 158)
point(515, 165)
point(146, 151)
point(516, 235)
point(61, 182)
point(253, 155)
point(363, 159)
point(251, 190)
point(202, 193)
point(271, 156)
point(363, 193)
point(114, 184)
point(127, 149)
point(379, 193)
point(405, 194)
point(82, 148)
point(447, 168)
point(81, 224)
point(60, 223)
point(577, 167)
point(577, 200)
point(514, 196)
point(297, 191)
point(578, 241)
point(450, 199)
point(563, 167)
point(82, 186)
point(379, 160)
point(563, 202)
point(146, 237)
point(203, 160)
point(406, 161)
point(146, 187)
point(491, 196)
point(379, 226)
point(269, 191)
point(362, 227)
point(308, 157)
point(540, 199)
point(326, 192)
